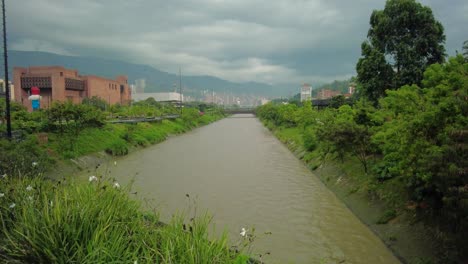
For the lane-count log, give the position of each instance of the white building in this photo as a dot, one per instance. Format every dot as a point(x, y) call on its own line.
point(159, 97)
point(306, 92)
point(3, 90)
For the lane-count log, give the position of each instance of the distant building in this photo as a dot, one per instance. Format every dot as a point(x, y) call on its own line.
point(140, 85)
point(60, 84)
point(351, 88)
point(3, 89)
point(306, 92)
point(263, 101)
point(327, 93)
point(171, 97)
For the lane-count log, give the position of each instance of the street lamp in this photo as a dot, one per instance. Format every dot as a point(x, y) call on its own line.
point(6, 83)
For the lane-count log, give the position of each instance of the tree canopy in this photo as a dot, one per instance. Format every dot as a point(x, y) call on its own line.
point(403, 40)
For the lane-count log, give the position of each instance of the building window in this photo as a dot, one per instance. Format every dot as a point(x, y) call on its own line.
point(61, 74)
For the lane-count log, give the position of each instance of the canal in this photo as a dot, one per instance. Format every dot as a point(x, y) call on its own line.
point(238, 171)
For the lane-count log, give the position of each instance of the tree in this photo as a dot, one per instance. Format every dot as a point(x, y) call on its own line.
point(341, 134)
point(71, 119)
point(465, 50)
point(403, 40)
point(423, 143)
point(96, 102)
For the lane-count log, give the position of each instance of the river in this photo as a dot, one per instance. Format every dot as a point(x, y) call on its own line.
point(238, 171)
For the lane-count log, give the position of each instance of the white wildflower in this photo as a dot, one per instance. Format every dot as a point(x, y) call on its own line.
point(135, 262)
point(92, 178)
point(4, 176)
point(1, 195)
point(30, 198)
point(34, 164)
point(51, 203)
point(116, 185)
point(12, 205)
point(29, 188)
point(115, 163)
point(243, 232)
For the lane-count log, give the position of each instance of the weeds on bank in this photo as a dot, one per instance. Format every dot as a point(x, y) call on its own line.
point(96, 222)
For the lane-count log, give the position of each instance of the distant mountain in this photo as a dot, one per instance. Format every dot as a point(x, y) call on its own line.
point(156, 80)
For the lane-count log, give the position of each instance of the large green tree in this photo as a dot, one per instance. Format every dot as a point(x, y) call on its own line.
point(403, 40)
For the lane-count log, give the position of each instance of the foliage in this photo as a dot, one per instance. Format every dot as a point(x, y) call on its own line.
point(310, 139)
point(97, 102)
point(342, 134)
point(336, 85)
point(190, 115)
point(465, 50)
point(24, 158)
point(386, 217)
point(413, 146)
point(423, 142)
point(70, 119)
point(118, 148)
point(21, 119)
point(95, 222)
point(337, 101)
point(403, 40)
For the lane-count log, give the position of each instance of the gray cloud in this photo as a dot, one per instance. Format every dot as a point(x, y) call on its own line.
point(279, 41)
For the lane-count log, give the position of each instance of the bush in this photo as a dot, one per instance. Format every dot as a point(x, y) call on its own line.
point(118, 148)
point(310, 139)
point(23, 158)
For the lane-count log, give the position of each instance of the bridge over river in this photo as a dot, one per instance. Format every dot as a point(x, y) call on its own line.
point(238, 171)
point(240, 110)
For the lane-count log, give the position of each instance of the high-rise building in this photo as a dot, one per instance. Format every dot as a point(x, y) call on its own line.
point(306, 92)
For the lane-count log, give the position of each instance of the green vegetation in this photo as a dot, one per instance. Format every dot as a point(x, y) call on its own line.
point(411, 148)
point(96, 222)
point(75, 130)
point(46, 221)
point(403, 40)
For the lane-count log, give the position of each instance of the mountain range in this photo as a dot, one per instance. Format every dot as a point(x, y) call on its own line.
point(156, 80)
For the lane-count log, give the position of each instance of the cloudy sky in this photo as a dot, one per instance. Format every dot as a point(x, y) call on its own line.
point(272, 41)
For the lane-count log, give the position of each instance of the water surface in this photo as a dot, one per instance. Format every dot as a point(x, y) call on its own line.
point(245, 177)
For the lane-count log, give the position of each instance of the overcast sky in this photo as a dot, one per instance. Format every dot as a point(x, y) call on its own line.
point(272, 41)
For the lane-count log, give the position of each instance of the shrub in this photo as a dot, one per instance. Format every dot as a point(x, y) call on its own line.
point(310, 139)
point(118, 148)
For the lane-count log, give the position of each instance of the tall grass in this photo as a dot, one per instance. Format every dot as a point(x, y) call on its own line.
point(96, 222)
point(117, 139)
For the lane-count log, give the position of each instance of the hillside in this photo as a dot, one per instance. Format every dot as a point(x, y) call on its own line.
point(156, 80)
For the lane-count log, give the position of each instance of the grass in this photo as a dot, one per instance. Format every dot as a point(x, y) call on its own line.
point(117, 139)
point(386, 217)
point(71, 222)
point(290, 135)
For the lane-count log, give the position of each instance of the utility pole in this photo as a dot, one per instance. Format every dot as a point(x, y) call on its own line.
point(180, 89)
point(6, 83)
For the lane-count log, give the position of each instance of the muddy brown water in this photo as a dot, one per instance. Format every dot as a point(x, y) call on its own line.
point(238, 171)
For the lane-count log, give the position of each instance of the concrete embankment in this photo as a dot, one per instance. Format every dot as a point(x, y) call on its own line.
point(408, 240)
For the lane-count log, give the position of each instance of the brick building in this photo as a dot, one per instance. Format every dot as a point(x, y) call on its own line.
point(60, 84)
point(327, 93)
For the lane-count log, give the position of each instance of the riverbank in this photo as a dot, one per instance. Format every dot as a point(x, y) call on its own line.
point(97, 146)
point(46, 221)
point(407, 239)
point(48, 217)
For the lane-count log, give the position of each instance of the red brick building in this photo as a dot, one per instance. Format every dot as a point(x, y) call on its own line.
point(327, 93)
point(60, 84)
